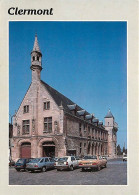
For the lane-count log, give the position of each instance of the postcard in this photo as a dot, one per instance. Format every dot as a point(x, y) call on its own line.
point(69, 97)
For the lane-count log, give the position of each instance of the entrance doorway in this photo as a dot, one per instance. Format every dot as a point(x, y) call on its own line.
point(71, 152)
point(48, 149)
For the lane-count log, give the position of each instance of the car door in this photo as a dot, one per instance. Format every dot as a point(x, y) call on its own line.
point(52, 162)
point(74, 161)
point(101, 160)
point(47, 163)
point(41, 163)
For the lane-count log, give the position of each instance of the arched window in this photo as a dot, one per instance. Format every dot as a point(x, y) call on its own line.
point(37, 58)
point(33, 58)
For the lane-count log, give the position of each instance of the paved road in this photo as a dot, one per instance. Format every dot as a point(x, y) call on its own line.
point(114, 174)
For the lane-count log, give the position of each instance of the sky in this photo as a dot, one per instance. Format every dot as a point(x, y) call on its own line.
point(85, 61)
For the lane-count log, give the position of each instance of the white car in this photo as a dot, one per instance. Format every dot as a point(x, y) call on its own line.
point(66, 162)
point(125, 157)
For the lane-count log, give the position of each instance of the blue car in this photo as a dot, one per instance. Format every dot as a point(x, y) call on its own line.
point(41, 164)
point(21, 163)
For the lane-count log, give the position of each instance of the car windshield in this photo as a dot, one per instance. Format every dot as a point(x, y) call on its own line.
point(90, 157)
point(30, 159)
point(63, 159)
point(20, 161)
point(35, 160)
point(55, 159)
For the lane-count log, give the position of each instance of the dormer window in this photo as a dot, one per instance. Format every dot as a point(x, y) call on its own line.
point(26, 109)
point(73, 108)
point(46, 105)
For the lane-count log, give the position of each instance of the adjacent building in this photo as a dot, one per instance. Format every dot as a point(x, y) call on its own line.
point(48, 123)
point(10, 140)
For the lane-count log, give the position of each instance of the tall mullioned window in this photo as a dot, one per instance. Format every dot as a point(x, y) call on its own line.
point(48, 124)
point(46, 105)
point(80, 148)
point(84, 127)
point(80, 129)
point(88, 130)
point(26, 109)
point(25, 126)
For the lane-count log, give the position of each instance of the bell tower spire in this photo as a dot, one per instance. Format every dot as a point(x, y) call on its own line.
point(36, 61)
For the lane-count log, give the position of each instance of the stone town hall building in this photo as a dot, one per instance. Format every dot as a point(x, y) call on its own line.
point(49, 124)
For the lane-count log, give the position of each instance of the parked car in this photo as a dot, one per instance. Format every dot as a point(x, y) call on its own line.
point(21, 163)
point(124, 157)
point(78, 158)
point(66, 162)
point(91, 162)
point(104, 157)
point(55, 159)
point(41, 164)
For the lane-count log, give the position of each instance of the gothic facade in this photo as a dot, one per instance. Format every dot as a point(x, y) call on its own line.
point(49, 124)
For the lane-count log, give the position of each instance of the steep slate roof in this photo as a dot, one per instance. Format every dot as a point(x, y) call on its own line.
point(60, 98)
point(109, 115)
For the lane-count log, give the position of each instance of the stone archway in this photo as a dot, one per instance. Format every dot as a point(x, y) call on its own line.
point(25, 150)
point(48, 146)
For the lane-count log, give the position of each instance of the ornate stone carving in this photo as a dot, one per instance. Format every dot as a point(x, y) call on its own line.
point(18, 130)
point(56, 127)
point(33, 126)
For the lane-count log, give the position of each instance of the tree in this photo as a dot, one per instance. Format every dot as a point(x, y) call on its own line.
point(119, 150)
point(123, 149)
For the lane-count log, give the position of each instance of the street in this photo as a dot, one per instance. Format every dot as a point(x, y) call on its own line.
point(114, 174)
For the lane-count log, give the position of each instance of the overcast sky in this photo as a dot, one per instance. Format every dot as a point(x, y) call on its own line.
point(85, 61)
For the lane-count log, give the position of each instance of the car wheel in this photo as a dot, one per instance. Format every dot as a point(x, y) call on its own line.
point(43, 169)
point(98, 168)
point(58, 170)
point(71, 168)
point(18, 170)
point(83, 169)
